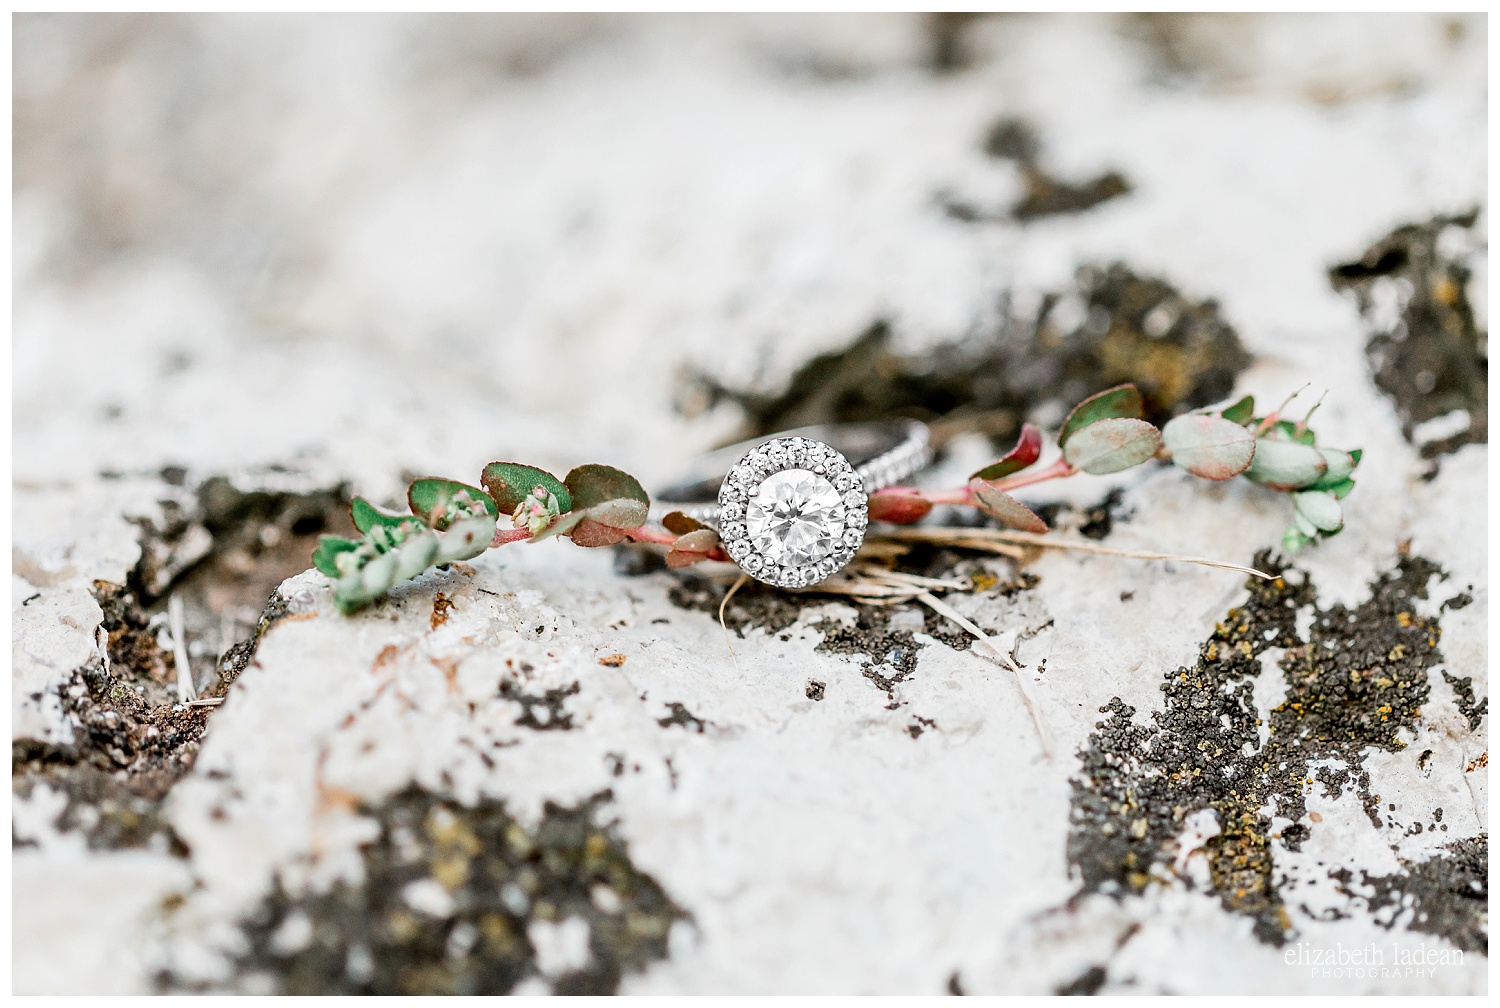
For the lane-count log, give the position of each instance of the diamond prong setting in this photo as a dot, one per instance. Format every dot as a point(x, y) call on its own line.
point(793, 511)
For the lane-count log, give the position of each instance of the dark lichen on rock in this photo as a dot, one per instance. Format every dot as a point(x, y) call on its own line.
point(1112, 326)
point(1086, 983)
point(545, 711)
point(1094, 521)
point(1425, 348)
point(887, 652)
point(490, 879)
point(679, 716)
point(753, 605)
point(1044, 193)
point(1355, 683)
point(1445, 895)
point(1463, 696)
point(891, 654)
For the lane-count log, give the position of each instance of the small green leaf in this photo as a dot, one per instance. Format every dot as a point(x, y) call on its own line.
point(325, 556)
point(1303, 437)
point(611, 501)
point(1339, 490)
point(1005, 508)
point(1285, 465)
point(1356, 455)
point(692, 547)
point(1321, 510)
point(1241, 412)
point(414, 556)
point(429, 499)
point(594, 484)
point(1122, 401)
point(676, 521)
point(1027, 450)
point(366, 515)
point(1340, 465)
point(1294, 539)
point(509, 483)
point(1304, 524)
point(351, 604)
point(376, 577)
point(619, 513)
point(591, 533)
point(1110, 445)
point(1209, 446)
point(466, 538)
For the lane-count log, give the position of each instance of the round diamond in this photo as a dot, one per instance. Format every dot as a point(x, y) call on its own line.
point(794, 518)
point(730, 512)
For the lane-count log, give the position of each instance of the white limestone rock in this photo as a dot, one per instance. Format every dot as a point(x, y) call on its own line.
point(391, 261)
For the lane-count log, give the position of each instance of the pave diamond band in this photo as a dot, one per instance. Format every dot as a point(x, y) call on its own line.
point(793, 508)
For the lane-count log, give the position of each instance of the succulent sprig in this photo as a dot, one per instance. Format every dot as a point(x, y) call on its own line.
point(594, 505)
point(1106, 434)
point(449, 521)
point(598, 505)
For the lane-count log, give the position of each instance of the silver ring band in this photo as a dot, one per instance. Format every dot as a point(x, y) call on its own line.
point(910, 453)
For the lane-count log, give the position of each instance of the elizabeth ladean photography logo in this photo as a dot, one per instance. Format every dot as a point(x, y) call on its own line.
point(1371, 960)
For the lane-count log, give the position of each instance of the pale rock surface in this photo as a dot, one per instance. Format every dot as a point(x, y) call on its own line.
point(371, 276)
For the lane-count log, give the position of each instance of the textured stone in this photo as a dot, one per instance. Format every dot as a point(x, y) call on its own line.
point(274, 259)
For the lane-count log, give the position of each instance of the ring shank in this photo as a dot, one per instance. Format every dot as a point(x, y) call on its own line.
point(882, 453)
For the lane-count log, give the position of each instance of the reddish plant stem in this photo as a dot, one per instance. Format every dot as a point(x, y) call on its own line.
point(662, 537)
point(503, 536)
point(1056, 470)
point(965, 496)
point(643, 534)
point(958, 496)
point(648, 534)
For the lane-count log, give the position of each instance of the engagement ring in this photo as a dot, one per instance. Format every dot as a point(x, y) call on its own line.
point(792, 508)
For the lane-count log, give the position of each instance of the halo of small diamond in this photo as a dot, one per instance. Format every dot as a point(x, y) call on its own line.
point(821, 519)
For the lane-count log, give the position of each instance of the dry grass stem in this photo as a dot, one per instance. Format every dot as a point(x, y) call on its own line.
point(994, 539)
point(175, 625)
point(942, 608)
point(723, 604)
point(877, 585)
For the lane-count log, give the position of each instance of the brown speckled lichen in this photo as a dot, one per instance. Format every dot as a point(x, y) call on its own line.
point(1432, 358)
point(1447, 894)
point(1352, 685)
point(497, 877)
point(1181, 353)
